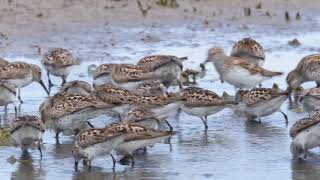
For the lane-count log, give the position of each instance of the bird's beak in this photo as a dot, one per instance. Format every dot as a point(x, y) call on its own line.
point(44, 87)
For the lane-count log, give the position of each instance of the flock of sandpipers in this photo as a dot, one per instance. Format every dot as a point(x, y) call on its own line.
point(137, 96)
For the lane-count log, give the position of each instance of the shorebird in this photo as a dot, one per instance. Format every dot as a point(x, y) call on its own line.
point(142, 116)
point(65, 112)
point(97, 142)
point(58, 62)
point(21, 74)
point(151, 88)
point(3, 62)
point(203, 103)
point(308, 69)
point(101, 75)
point(165, 66)
point(310, 99)
point(7, 95)
point(261, 102)
point(140, 139)
point(250, 50)
point(162, 106)
point(120, 98)
point(130, 76)
point(305, 135)
point(77, 87)
point(185, 75)
point(27, 130)
point(238, 72)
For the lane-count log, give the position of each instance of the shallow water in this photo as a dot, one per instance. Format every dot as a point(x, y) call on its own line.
point(231, 148)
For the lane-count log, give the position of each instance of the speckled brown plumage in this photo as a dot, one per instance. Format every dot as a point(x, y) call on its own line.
point(114, 95)
point(151, 63)
point(196, 97)
point(59, 57)
point(156, 101)
point(258, 95)
point(66, 103)
point(302, 124)
point(77, 84)
point(252, 68)
point(28, 120)
point(103, 69)
point(150, 88)
point(17, 70)
point(138, 114)
point(122, 73)
point(248, 47)
point(3, 62)
point(10, 87)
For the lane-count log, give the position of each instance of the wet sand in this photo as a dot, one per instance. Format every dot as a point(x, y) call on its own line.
point(115, 31)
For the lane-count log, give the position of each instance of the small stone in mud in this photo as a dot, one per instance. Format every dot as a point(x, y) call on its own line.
point(206, 22)
point(298, 17)
point(259, 5)
point(150, 39)
point(247, 11)
point(12, 159)
point(194, 9)
point(287, 16)
point(295, 42)
point(268, 14)
point(39, 15)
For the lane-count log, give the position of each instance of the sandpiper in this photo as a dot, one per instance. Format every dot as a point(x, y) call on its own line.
point(238, 72)
point(162, 106)
point(250, 50)
point(120, 98)
point(96, 142)
point(58, 62)
point(141, 139)
point(7, 95)
point(261, 102)
point(27, 130)
point(165, 66)
point(65, 112)
point(311, 99)
point(151, 88)
point(203, 103)
point(142, 116)
point(101, 75)
point(130, 76)
point(21, 74)
point(77, 87)
point(308, 69)
point(186, 74)
point(305, 135)
point(3, 62)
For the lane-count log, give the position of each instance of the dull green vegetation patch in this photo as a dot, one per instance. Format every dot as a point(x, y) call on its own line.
point(5, 139)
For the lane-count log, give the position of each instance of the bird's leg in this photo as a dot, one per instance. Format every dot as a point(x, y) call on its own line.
point(15, 110)
point(76, 161)
point(119, 116)
point(114, 162)
point(64, 80)
point(285, 117)
point(259, 119)
point(90, 124)
point(19, 96)
point(39, 148)
point(89, 164)
point(57, 137)
point(132, 161)
point(169, 125)
point(49, 80)
point(204, 120)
